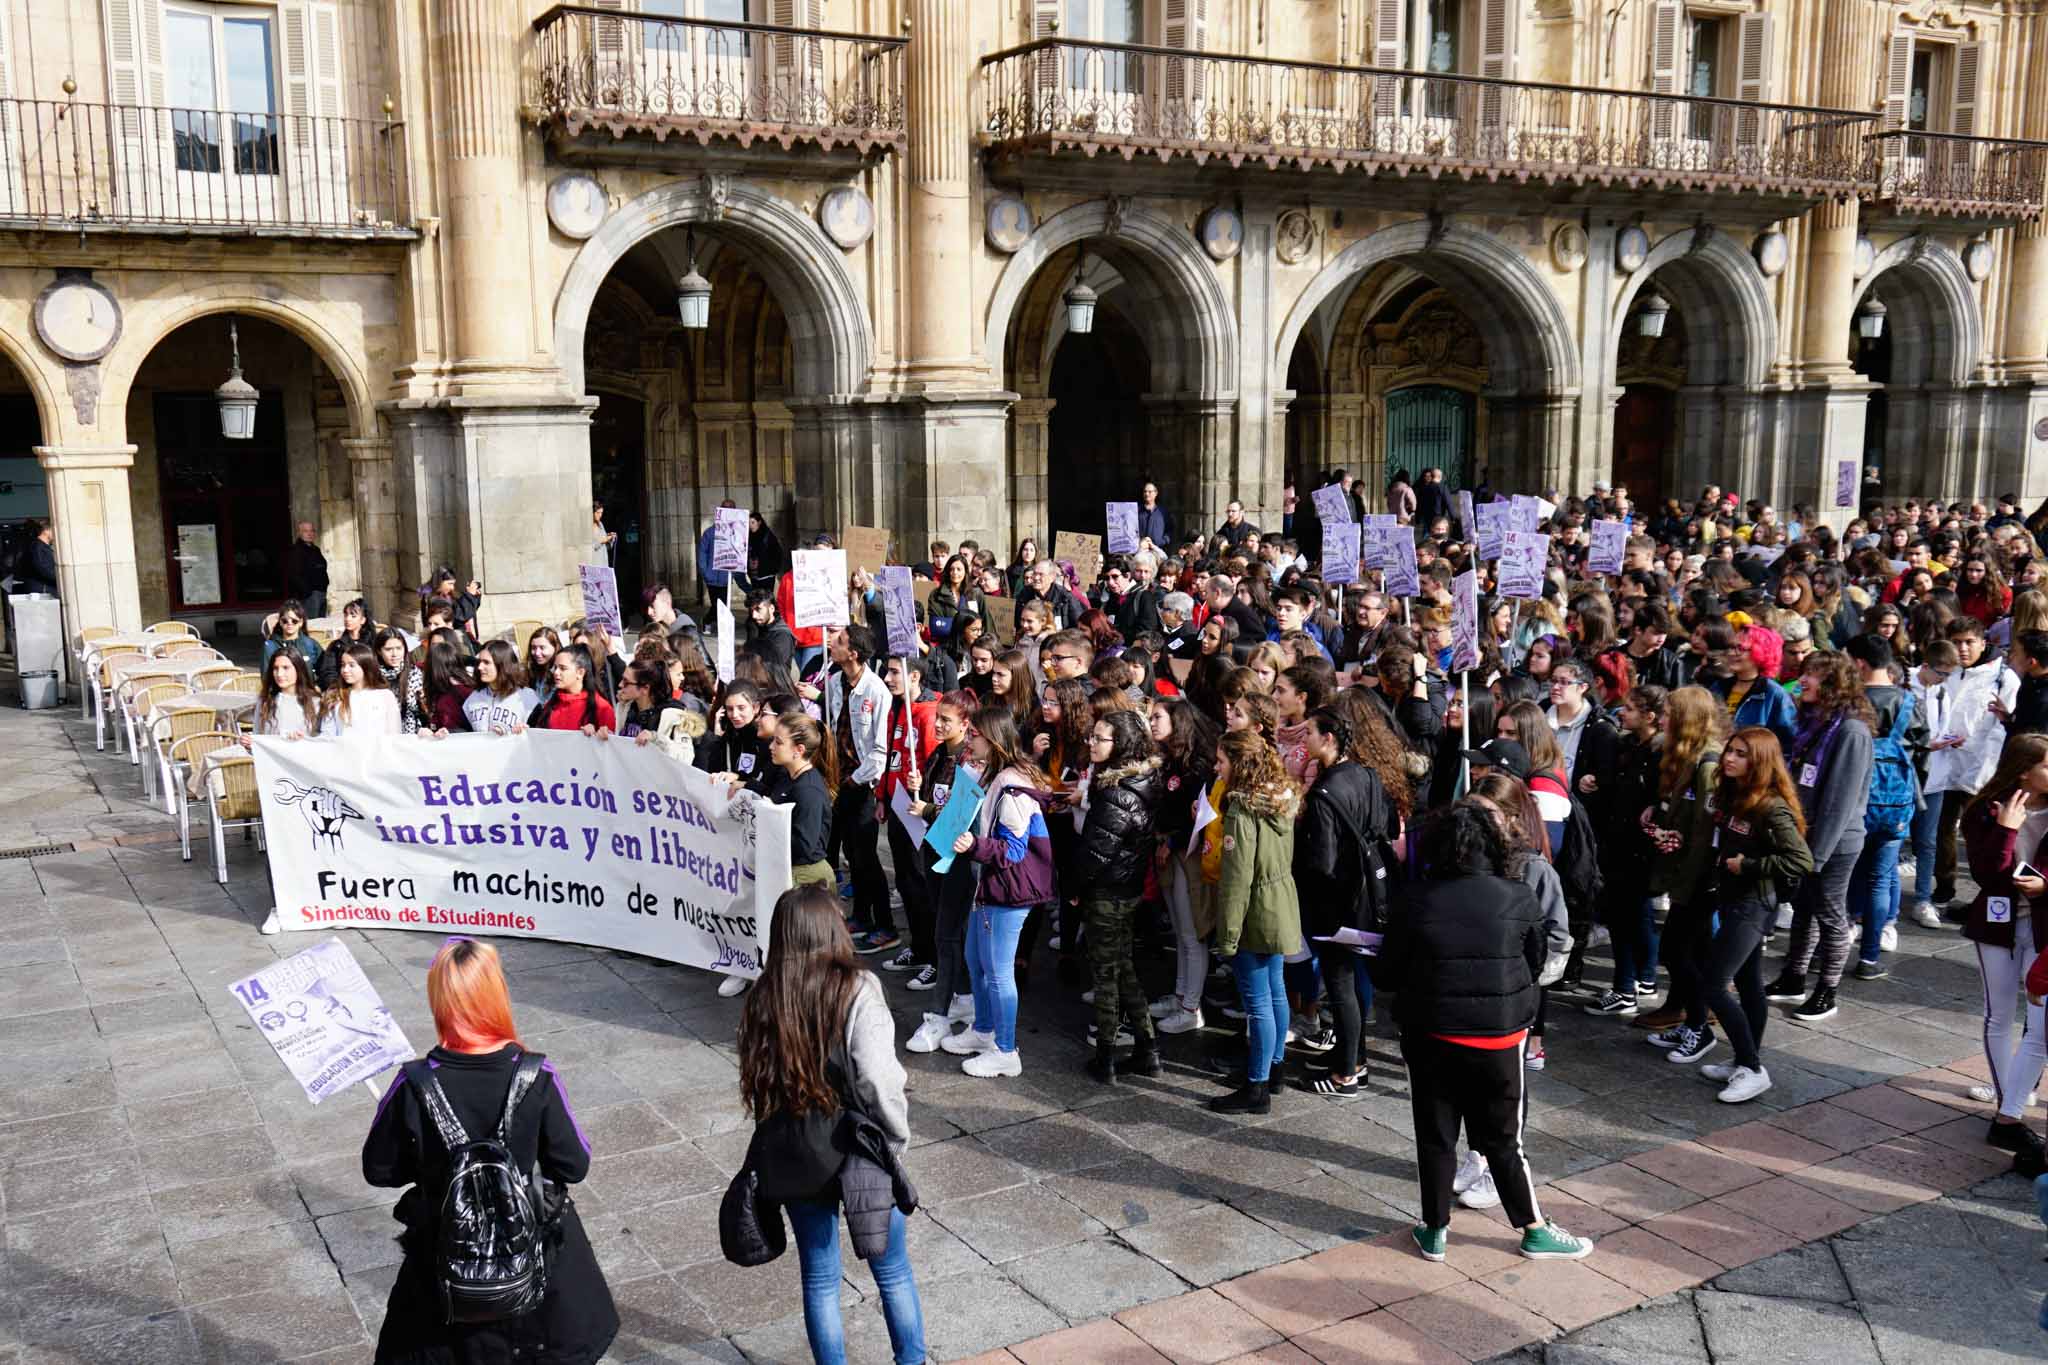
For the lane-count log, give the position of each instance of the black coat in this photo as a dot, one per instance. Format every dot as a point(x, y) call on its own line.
point(1116, 844)
point(35, 568)
point(1462, 956)
point(577, 1321)
point(305, 570)
point(1662, 667)
point(1346, 804)
point(743, 752)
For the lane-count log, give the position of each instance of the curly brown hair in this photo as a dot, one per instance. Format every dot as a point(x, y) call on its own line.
point(1374, 743)
point(1831, 686)
point(1256, 772)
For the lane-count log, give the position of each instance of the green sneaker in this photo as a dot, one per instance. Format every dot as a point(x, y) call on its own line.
point(1430, 1241)
point(1549, 1242)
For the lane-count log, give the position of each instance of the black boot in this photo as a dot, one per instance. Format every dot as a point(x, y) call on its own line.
point(1102, 1066)
point(1254, 1097)
point(1144, 1058)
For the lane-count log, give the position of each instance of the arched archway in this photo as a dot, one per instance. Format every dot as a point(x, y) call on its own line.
point(1531, 364)
point(1166, 420)
point(1687, 400)
point(1924, 360)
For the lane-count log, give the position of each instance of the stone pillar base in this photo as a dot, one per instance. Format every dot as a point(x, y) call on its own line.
point(95, 535)
point(955, 467)
point(1826, 434)
point(2015, 442)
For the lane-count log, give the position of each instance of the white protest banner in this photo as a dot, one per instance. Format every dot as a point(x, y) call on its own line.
point(727, 665)
point(601, 597)
point(1610, 540)
point(1466, 521)
point(548, 834)
point(324, 1019)
point(1403, 578)
point(729, 540)
point(1465, 621)
point(1522, 563)
point(900, 804)
point(1122, 519)
point(1768, 555)
point(1340, 551)
point(818, 582)
point(1492, 526)
point(1524, 513)
point(899, 604)
point(1545, 510)
point(1333, 505)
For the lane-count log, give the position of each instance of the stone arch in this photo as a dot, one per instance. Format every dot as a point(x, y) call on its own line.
point(1528, 337)
point(828, 326)
point(1940, 312)
point(1732, 327)
point(343, 360)
point(1195, 328)
point(49, 412)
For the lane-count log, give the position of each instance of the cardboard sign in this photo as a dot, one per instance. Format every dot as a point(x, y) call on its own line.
point(1522, 564)
point(899, 601)
point(1378, 543)
point(1465, 621)
point(1122, 522)
point(324, 1019)
point(865, 547)
point(729, 540)
point(818, 580)
point(955, 818)
point(1333, 505)
point(601, 597)
point(1340, 551)
point(1524, 513)
point(1084, 552)
point(1610, 540)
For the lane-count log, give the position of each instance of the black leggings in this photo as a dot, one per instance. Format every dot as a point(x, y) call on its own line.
point(916, 893)
point(853, 823)
point(1688, 934)
point(1732, 978)
point(1349, 991)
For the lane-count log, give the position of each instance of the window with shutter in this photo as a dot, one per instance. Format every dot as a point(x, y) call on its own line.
point(1045, 71)
point(1752, 75)
point(1898, 80)
point(798, 90)
point(1959, 159)
point(1497, 61)
point(1389, 53)
point(1667, 31)
point(1186, 26)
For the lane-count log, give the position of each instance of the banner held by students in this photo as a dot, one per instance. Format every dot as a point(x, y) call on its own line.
point(729, 540)
point(818, 585)
point(1403, 576)
point(541, 835)
point(324, 1019)
point(1465, 621)
point(1492, 524)
point(728, 664)
point(1122, 525)
point(1377, 543)
point(1610, 541)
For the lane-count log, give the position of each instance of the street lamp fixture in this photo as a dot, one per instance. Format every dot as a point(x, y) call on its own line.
point(1870, 318)
point(1080, 300)
point(237, 397)
point(693, 294)
point(1650, 317)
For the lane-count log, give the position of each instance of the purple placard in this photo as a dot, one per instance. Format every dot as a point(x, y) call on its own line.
point(899, 603)
point(1465, 621)
point(1403, 578)
point(1333, 504)
point(601, 597)
point(1122, 519)
point(1340, 552)
point(1467, 525)
point(1378, 541)
point(1493, 525)
point(729, 540)
point(1525, 514)
point(1610, 540)
point(1845, 483)
point(323, 1018)
point(1523, 560)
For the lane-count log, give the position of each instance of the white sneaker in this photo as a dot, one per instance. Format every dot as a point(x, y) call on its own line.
point(1470, 1167)
point(961, 1008)
point(1888, 938)
point(929, 1034)
point(1124, 1036)
point(1088, 997)
point(1784, 914)
point(271, 924)
point(1165, 1005)
point(1720, 1072)
point(1984, 1094)
point(1181, 1021)
point(1926, 916)
point(1053, 943)
point(731, 986)
point(1745, 1084)
point(1481, 1194)
point(993, 1063)
point(967, 1042)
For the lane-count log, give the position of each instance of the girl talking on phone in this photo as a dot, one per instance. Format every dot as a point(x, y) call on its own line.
point(2002, 830)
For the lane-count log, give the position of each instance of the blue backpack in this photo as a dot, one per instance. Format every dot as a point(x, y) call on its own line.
point(1894, 791)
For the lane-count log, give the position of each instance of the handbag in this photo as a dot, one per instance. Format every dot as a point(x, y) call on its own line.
point(750, 1230)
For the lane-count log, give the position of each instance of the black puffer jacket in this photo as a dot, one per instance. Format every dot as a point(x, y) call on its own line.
point(1116, 841)
point(1346, 804)
point(1462, 956)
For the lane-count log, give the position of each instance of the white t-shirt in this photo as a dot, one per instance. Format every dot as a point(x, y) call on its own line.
point(493, 715)
point(290, 718)
point(371, 711)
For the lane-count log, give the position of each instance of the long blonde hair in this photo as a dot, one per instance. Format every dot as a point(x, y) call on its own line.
point(1692, 725)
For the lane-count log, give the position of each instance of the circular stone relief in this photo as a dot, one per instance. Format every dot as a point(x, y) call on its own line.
point(577, 203)
point(1865, 258)
point(1631, 249)
point(1009, 223)
point(847, 217)
point(1221, 232)
point(1569, 247)
point(1294, 236)
point(1772, 252)
point(1977, 258)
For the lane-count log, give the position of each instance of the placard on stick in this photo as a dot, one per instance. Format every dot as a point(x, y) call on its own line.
point(324, 1019)
point(866, 547)
point(1081, 550)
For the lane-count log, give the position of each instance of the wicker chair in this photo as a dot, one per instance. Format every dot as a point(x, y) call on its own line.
point(80, 650)
point(168, 725)
point(198, 649)
point(251, 683)
point(173, 628)
point(522, 634)
point(185, 756)
point(232, 803)
point(322, 638)
point(217, 679)
point(144, 695)
point(126, 686)
point(103, 690)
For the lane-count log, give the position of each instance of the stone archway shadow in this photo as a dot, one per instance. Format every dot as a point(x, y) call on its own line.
point(1942, 316)
point(1726, 301)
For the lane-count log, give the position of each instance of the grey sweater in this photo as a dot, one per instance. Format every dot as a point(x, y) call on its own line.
point(877, 1074)
point(1834, 805)
point(1541, 878)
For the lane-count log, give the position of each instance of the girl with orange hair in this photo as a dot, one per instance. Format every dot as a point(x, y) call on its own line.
point(475, 1066)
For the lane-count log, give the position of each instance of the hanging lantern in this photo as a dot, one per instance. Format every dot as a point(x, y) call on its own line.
point(693, 294)
point(1080, 300)
point(237, 397)
point(1650, 316)
point(1870, 319)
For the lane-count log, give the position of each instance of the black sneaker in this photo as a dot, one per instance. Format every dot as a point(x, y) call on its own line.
point(1872, 971)
point(1789, 986)
point(902, 962)
point(1944, 892)
point(1324, 1041)
point(1697, 1044)
point(926, 978)
point(2015, 1138)
point(1614, 1006)
point(1820, 1005)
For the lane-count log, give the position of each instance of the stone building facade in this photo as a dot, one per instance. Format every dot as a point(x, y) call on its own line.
point(1769, 243)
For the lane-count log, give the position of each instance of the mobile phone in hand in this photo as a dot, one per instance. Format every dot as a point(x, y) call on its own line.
point(2024, 869)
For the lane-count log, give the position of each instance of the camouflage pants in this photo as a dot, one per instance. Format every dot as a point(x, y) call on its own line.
point(1116, 975)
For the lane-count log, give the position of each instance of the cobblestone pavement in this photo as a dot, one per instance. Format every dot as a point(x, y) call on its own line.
point(168, 1195)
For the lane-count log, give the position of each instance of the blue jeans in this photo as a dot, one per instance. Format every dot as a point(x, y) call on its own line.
point(992, 968)
point(1926, 824)
point(1874, 885)
point(2041, 1198)
point(817, 1247)
point(1262, 985)
point(1635, 949)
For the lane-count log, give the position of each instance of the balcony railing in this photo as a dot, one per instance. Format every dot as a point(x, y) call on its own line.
point(1054, 95)
point(622, 73)
point(1948, 175)
point(100, 166)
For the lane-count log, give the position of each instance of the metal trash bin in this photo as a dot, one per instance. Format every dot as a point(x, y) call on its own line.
point(39, 648)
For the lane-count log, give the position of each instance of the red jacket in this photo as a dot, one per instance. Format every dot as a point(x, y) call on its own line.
point(564, 712)
point(907, 743)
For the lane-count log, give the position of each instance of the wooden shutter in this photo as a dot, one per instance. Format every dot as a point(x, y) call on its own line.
point(1389, 53)
point(1969, 66)
point(799, 62)
point(1186, 27)
point(1898, 80)
point(1667, 55)
point(135, 51)
point(1045, 71)
point(1752, 73)
point(1497, 60)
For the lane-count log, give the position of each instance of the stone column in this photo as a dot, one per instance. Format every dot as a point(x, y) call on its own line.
point(376, 512)
point(940, 348)
point(477, 46)
point(95, 535)
point(1030, 445)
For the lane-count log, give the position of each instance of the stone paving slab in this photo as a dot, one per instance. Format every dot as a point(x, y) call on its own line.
point(166, 1193)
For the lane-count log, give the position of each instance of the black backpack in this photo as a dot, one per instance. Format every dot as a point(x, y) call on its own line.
point(490, 1245)
point(1578, 861)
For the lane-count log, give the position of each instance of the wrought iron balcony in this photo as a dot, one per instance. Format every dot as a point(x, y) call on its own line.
point(105, 167)
point(621, 74)
point(1054, 96)
point(1946, 175)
